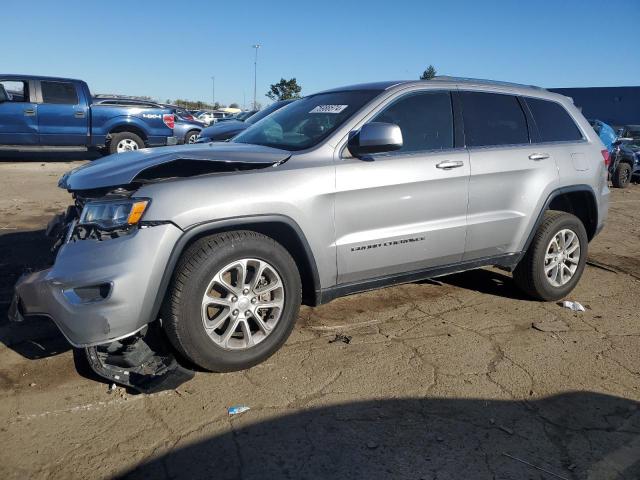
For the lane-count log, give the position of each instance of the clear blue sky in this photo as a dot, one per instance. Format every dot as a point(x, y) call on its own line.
point(170, 49)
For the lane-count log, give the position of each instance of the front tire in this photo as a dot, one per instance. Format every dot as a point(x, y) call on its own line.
point(191, 137)
point(233, 301)
point(555, 260)
point(621, 176)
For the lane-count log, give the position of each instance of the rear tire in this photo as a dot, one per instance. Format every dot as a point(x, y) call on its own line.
point(191, 313)
point(621, 176)
point(553, 244)
point(125, 141)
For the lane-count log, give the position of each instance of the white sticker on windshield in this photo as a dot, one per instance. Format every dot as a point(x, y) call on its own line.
point(329, 109)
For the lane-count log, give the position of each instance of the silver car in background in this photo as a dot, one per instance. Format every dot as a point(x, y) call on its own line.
point(342, 191)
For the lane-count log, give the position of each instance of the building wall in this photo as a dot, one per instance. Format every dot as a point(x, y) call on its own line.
point(613, 105)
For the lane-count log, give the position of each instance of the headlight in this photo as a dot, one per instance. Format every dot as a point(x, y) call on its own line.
point(112, 214)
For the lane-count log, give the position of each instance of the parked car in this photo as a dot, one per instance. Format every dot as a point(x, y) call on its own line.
point(222, 131)
point(187, 127)
point(624, 149)
point(241, 117)
point(212, 117)
point(343, 191)
point(58, 113)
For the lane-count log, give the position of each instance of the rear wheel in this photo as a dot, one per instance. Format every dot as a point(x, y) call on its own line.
point(555, 260)
point(125, 142)
point(233, 301)
point(621, 176)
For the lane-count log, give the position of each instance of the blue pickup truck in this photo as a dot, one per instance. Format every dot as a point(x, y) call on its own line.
point(47, 113)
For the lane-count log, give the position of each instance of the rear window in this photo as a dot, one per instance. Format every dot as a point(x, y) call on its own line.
point(492, 119)
point(553, 121)
point(59, 92)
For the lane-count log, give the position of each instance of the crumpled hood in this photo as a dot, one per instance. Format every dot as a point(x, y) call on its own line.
point(123, 168)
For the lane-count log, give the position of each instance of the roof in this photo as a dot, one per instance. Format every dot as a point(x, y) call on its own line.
point(10, 76)
point(445, 80)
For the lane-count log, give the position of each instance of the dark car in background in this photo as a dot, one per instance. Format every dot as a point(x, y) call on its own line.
point(225, 130)
point(242, 116)
point(187, 127)
point(624, 151)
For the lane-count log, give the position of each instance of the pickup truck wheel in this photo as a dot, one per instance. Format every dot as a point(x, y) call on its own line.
point(555, 260)
point(233, 301)
point(621, 176)
point(125, 142)
point(191, 136)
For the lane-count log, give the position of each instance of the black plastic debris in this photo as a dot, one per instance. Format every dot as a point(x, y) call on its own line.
point(341, 338)
point(144, 362)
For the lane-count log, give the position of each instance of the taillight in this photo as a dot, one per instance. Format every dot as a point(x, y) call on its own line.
point(169, 120)
point(606, 156)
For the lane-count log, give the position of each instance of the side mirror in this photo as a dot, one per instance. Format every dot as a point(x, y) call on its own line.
point(375, 137)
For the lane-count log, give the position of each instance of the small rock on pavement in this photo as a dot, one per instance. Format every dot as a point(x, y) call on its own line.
point(372, 445)
point(32, 384)
point(551, 326)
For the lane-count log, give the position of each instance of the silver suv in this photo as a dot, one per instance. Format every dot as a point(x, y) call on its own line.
point(342, 191)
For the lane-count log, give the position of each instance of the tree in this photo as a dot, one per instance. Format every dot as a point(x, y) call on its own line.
point(234, 105)
point(429, 73)
point(284, 90)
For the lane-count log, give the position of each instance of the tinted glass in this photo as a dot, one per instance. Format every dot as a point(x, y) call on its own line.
point(59, 92)
point(493, 119)
point(425, 119)
point(307, 121)
point(553, 122)
point(265, 111)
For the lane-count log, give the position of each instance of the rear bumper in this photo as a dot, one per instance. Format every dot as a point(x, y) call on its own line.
point(99, 291)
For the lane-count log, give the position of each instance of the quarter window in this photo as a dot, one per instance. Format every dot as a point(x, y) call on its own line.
point(425, 119)
point(553, 122)
point(493, 119)
point(59, 93)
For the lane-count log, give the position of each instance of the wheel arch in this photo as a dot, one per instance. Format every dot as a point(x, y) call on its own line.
point(129, 128)
point(281, 228)
point(578, 200)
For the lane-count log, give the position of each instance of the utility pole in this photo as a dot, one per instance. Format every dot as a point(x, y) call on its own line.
point(213, 92)
point(255, 75)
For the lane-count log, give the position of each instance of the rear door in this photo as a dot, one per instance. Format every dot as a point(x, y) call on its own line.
point(63, 116)
point(509, 173)
point(406, 210)
point(18, 114)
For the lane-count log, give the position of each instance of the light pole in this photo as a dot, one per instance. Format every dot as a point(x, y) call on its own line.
point(255, 75)
point(213, 92)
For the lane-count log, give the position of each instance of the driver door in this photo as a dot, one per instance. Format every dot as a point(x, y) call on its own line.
point(406, 210)
point(18, 114)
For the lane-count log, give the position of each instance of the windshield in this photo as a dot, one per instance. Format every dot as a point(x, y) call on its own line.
point(306, 122)
point(256, 117)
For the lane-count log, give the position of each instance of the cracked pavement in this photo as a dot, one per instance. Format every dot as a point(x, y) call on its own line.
point(442, 379)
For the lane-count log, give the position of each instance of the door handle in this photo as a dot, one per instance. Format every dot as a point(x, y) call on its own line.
point(538, 156)
point(79, 114)
point(30, 112)
point(449, 164)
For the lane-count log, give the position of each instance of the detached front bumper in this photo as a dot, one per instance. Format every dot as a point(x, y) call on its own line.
point(99, 291)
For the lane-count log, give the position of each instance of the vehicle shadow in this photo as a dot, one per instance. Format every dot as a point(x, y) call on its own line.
point(35, 337)
point(48, 156)
point(576, 435)
point(485, 281)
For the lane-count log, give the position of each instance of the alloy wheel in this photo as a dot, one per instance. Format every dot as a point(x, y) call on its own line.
point(562, 257)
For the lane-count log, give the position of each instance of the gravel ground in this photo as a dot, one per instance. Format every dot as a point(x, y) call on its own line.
point(442, 379)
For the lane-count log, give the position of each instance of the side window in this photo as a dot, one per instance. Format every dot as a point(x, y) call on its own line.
point(63, 93)
point(553, 122)
point(15, 91)
point(425, 119)
point(493, 119)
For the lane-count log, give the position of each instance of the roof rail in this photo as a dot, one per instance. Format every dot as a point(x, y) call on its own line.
point(481, 81)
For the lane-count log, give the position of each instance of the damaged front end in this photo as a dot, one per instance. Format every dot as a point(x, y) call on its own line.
point(105, 288)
